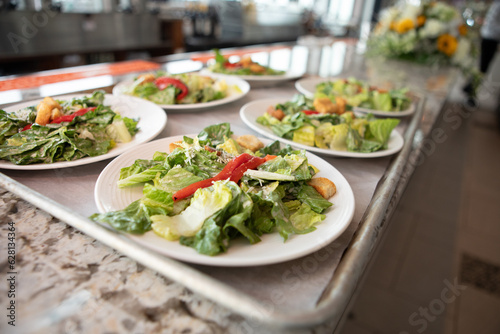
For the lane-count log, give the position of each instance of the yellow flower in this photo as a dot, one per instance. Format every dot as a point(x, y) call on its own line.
point(404, 25)
point(421, 20)
point(462, 29)
point(447, 44)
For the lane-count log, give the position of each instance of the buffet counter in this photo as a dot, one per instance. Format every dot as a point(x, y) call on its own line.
point(72, 276)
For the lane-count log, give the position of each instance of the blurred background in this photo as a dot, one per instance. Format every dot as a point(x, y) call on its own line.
point(47, 34)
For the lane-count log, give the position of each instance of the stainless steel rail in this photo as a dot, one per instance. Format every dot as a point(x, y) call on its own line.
point(337, 293)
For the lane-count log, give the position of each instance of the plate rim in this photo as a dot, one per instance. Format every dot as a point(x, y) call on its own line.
point(395, 135)
point(289, 75)
point(4, 164)
point(222, 260)
point(193, 107)
point(407, 112)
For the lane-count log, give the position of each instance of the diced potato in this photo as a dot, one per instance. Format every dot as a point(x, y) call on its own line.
point(324, 186)
point(250, 142)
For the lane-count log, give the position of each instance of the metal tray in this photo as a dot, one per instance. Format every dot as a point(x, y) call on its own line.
point(337, 292)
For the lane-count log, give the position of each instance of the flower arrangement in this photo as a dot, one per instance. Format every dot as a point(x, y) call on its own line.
point(428, 32)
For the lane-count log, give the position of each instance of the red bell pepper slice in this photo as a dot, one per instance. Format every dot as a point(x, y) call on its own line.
point(253, 163)
point(233, 171)
point(164, 82)
point(27, 127)
point(69, 118)
point(310, 112)
point(191, 189)
point(231, 65)
point(65, 118)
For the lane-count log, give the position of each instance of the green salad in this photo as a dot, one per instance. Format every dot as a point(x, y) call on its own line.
point(56, 130)
point(298, 120)
point(245, 66)
point(358, 93)
point(185, 88)
point(203, 196)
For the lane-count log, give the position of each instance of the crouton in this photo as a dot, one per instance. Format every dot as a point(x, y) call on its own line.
point(51, 103)
point(55, 113)
point(250, 142)
point(276, 113)
point(148, 77)
point(43, 113)
point(174, 145)
point(246, 61)
point(324, 105)
point(256, 68)
point(341, 103)
point(324, 186)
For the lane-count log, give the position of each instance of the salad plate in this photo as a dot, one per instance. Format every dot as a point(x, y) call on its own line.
point(252, 110)
point(271, 248)
point(262, 80)
point(237, 89)
point(307, 87)
point(152, 120)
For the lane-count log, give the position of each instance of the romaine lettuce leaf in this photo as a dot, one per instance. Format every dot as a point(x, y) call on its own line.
point(133, 219)
point(205, 202)
point(228, 223)
point(382, 101)
point(93, 100)
point(380, 130)
point(144, 90)
point(176, 179)
point(140, 172)
point(157, 201)
point(272, 149)
point(309, 195)
point(332, 136)
point(164, 96)
point(304, 135)
point(355, 143)
point(302, 216)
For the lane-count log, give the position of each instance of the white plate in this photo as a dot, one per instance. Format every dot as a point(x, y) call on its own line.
point(308, 88)
point(250, 111)
point(271, 249)
point(262, 80)
point(122, 86)
point(402, 113)
point(152, 120)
